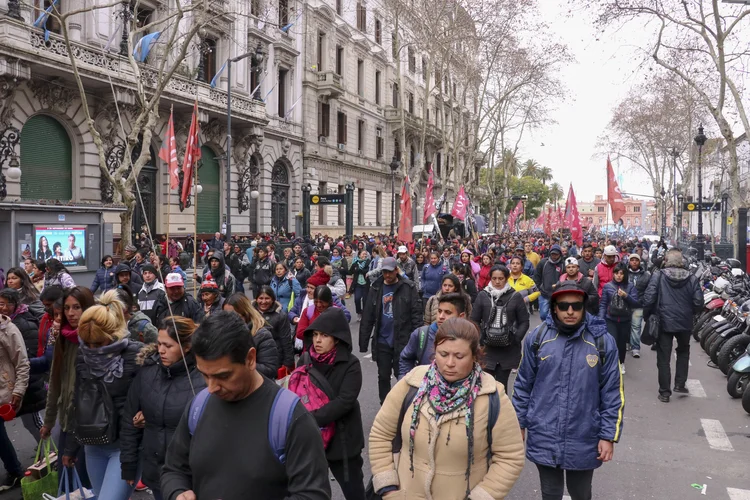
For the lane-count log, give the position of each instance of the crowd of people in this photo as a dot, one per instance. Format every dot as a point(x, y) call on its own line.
point(147, 386)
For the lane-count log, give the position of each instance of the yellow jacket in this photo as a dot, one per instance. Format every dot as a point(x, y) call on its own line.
point(525, 283)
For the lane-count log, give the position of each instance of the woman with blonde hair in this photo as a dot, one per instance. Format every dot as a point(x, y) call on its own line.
point(157, 399)
point(454, 428)
point(105, 370)
point(267, 356)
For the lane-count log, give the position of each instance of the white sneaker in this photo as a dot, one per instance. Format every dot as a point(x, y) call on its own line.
point(636, 353)
point(622, 369)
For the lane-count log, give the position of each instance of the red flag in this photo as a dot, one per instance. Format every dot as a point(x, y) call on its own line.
point(513, 217)
point(459, 206)
point(405, 224)
point(616, 203)
point(192, 154)
point(168, 153)
point(548, 222)
point(429, 198)
point(576, 232)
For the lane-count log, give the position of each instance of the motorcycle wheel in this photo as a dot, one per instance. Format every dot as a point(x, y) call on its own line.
point(713, 351)
point(737, 383)
point(704, 332)
point(731, 350)
point(699, 325)
point(708, 339)
point(746, 401)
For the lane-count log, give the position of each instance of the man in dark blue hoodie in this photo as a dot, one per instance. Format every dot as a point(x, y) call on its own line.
point(547, 275)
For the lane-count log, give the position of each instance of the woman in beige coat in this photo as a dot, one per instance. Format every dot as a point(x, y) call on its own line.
point(446, 407)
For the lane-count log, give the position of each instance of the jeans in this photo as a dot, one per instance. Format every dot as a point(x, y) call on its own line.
point(239, 287)
point(387, 366)
point(620, 330)
point(543, 308)
point(501, 376)
point(664, 357)
point(553, 483)
point(636, 322)
point(360, 296)
point(103, 464)
point(8, 453)
point(352, 487)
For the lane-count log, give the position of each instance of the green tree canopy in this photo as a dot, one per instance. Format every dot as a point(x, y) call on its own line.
point(533, 188)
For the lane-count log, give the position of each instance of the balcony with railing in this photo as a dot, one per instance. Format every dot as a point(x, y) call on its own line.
point(330, 83)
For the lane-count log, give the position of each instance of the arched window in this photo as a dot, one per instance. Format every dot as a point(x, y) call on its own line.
point(145, 212)
point(280, 197)
point(209, 200)
point(46, 160)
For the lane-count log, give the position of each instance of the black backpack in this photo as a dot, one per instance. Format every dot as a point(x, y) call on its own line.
point(96, 417)
point(498, 332)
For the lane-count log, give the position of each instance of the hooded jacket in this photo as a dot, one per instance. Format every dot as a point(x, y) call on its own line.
point(148, 296)
point(296, 311)
point(608, 294)
point(278, 323)
point(410, 355)
point(141, 329)
point(565, 399)
point(502, 358)
point(136, 281)
point(267, 358)
point(345, 378)
point(262, 272)
point(14, 361)
point(104, 279)
point(603, 274)
point(284, 288)
point(548, 273)
point(224, 279)
point(301, 276)
point(162, 393)
point(431, 279)
point(679, 297)
point(187, 307)
point(639, 279)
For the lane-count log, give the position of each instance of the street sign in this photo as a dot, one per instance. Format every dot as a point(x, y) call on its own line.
point(730, 220)
point(328, 199)
point(708, 206)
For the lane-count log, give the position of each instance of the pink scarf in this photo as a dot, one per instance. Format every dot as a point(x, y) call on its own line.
point(69, 333)
point(324, 359)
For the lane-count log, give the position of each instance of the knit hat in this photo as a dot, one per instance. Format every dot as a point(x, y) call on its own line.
point(319, 278)
point(148, 267)
point(635, 256)
point(130, 248)
point(209, 285)
point(555, 248)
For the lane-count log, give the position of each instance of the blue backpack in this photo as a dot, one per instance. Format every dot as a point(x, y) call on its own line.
point(282, 411)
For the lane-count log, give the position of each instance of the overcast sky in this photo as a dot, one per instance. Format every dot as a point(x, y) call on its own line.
point(605, 68)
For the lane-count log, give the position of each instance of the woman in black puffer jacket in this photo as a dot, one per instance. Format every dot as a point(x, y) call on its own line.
point(267, 356)
point(35, 399)
point(278, 321)
point(156, 401)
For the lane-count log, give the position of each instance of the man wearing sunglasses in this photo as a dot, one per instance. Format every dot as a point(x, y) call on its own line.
point(569, 396)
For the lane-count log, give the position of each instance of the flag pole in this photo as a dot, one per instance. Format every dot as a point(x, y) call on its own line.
point(195, 220)
point(606, 230)
point(169, 192)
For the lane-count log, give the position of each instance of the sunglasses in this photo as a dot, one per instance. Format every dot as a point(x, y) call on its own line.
point(564, 306)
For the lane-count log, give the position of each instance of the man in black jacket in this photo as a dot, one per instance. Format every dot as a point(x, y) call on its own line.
point(639, 278)
point(181, 303)
point(547, 275)
point(394, 310)
point(262, 270)
point(679, 297)
point(213, 457)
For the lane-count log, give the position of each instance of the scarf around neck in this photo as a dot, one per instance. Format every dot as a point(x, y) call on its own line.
point(20, 309)
point(105, 362)
point(446, 397)
point(327, 358)
point(497, 293)
point(69, 333)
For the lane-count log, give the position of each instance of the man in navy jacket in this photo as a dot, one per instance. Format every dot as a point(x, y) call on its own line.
point(569, 395)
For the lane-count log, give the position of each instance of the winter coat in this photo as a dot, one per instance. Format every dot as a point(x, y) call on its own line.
point(216, 306)
point(267, 357)
point(547, 275)
point(631, 301)
point(483, 279)
point(141, 329)
point(431, 279)
point(566, 399)
point(148, 296)
point(470, 288)
point(61, 279)
point(603, 274)
point(502, 358)
point(262, 272)
point(639, 279)
point(162, 393)
point(409, 268)
point(309, 315)
point(223, 278)
point(35, 398)
point(104, 279)
point(117, 389)
point(679, 296)
point(439, 464)
point(407, 315)
point(410, 354)
point(187, 307)
point(525, 286)
point(584, 266)
point(14, 361)
point(136, 281)
point(345, 378)
point(337, 284)
point(592, 297)
point(283, 288)
point(278, 323)
point(301, 276)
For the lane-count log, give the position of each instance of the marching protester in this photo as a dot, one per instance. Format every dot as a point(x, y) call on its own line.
point(17, 279)
point(285, 286)
point(546, 276)
point(277, 320)
point(639, 278)
point(57, 275)
point(572, 273)
point(267, 356)
point(176, 301)
point(606, 268)
point(587, 262)
point(465, 277)
point(619, 298)
point(139, 325)
point(432, 276)
point(521, 282)
point(150, 292)
point(300, 272)
point(450, 284)
point(105, 275)
point(360, 284)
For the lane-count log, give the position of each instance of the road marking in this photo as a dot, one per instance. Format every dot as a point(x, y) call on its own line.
point(735, 494)
point(690, 363)
point(695, 388)
point(717, 438)
point(566, 497)
point(368, 356)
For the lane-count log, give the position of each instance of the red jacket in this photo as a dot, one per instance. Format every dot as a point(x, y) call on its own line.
point(484, 277)
point(604, 275)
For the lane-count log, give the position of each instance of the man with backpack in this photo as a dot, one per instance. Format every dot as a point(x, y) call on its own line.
point(239, 405)
point(570, 369)
point(421, 346)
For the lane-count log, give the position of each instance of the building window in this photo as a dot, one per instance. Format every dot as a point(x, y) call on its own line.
point(636, 209)
point(378, 32)
point(282, 92)
point(341, 124)
point(360, 207)
point(322, 189)
point(394, 45)
point(412, 60)
point(46, 160)
point(283, 13)
point(53, 24)
point(280, 197)
point(339, 7)
point(600, 220)
point(637, 221)
point(321, 50)
point(378, 207)
point(438, 164)
point(209, 60)
point(379, 143)
point(424, 69)
point(395, 95)
point(324, 119)
point(410, 100)
point(396, 149)
point(600, 209)
point(360, 136)
point(361, 78)
point(339, 60)
point(361, 17)
point(255, 8)
point(377, 87)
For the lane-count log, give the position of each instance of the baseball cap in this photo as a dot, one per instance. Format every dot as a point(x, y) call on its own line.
point(610, 250)
point(173, 279)
point(634, 256)
point(389, 264)
point(571, 261)
point(402, 249)
point(568, 286)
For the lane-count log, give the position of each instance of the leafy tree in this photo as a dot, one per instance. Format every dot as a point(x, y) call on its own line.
point(530, 168)
point(532, 187)
point(545, 174)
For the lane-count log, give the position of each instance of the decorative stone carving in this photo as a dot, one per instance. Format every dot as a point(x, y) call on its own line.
point(214, 131)
point(114, 158)
point(242, 104)
point(52, 94)
point(105, 115)
point(55, 45)
point(7, 92)
point(286, 145)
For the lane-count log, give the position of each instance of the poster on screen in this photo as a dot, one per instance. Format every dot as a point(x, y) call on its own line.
point(64, 243)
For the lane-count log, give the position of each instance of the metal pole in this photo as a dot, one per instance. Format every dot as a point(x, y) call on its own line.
point(674, 193)
point(663, 213)
point(700, 140)
point(724, 214)
point(228, 193)
point(393, 199)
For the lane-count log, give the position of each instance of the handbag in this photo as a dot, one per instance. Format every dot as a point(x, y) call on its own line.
point(650, 333)
point(34, 489)
point(68, 491)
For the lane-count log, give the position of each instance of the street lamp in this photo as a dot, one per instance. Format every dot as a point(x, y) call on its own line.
point(663, 213)
point(395, 165)
point(257, 59)
point(700, 140)
point(679, 219)
point(675, 155)
point(9, 139)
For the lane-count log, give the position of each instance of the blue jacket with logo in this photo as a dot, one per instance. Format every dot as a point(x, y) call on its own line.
point(565, 399)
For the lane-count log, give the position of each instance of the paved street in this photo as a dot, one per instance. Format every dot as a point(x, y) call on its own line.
point(700, 439)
